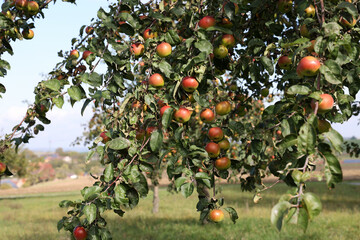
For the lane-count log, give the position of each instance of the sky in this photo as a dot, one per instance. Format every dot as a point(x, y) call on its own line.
point(34, 58)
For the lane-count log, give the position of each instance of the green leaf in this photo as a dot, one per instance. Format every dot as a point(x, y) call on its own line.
point(90, 193)
point(90, 212)
point(86, 103)
point(278, 213)
point(313, 204)
point(179, 182)
point(187, 189)
point(66, 204)
point(109, 173)
point(349, 7)
point(75, 93)
point(333, 172)
point(297, 176)
point(167, 118)
point(53, 84)
point(165, 68)
point(329, 76)
point(202, 175)
point(120, 194)
point(119, 143)
point(220, 29)
point(307, 138)
point(268, 64)
point(300, 218)
point(59, 101)
point(299, 89)
point(156, 140)
point(331, 28)
point(233, 214)
point(95, 79)
point(336, 139)
point(204, 46)
point(141, 186)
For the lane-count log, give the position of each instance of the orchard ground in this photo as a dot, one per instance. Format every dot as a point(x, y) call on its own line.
point(32, 214)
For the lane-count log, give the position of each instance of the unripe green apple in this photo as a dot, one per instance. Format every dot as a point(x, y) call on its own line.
point(220, 52)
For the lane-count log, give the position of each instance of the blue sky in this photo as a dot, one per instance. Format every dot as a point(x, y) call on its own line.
point(35, 58)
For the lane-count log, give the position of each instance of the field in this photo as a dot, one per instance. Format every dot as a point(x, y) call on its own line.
point(34, 217)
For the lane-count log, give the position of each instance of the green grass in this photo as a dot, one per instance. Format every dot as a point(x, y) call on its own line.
point(35, 218)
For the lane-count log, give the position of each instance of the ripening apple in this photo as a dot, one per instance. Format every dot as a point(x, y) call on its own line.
point(224, 144)
point(163, 109)
point(189, 84)
point(228, 40)
point(236, 10)
point(226, 23)
point(182, 115)
point(79, 233)
point(285, 62)
point(163, 49)
point(308, 66)
point(86, 54)
point(213, 149)
point(2, 167)
point(207, 21)
point(220, 52)
point(207, 115)
point(345, 23)
point(222, 163)
point(89, 30)
point(32, 7)
point(325, 105)
point(304, 31)
point(216, 134)
point(20, 4)
point(323, 126)
point(150, 130)
point(310, 11)
point(137, 49)
point(148, 34)
point(223, 108)
point(156, 80)
point(216, 215)
point(284, 5)
point(104, 137)
point(74, 54)
point(140, 134)
point(28, 34)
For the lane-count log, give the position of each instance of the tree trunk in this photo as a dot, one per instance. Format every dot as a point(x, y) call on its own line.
point(203, 192)
point(156, 199)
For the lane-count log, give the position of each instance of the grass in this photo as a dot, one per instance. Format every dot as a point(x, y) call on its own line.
point(35, 218)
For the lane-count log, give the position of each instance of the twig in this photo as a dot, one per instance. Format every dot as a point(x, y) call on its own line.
point(272, 185)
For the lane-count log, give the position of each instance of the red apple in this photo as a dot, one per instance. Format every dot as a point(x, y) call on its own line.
point(189, 84)
point(28, 34)
point(213, 149)
point(156, 80)
point(220, 52)
point(79, 233)
point(32, 7)
point(223, 108)
point(20, 4)
point(207, 21)
point(224, 144)
point(2, 167)
point(216, 215)
point(163, 49)
point(149, 130)
point(308, 66)
point(148, 33)
point(137, 49)
point(163, 109)
point(228, 40)
point(222, 163)
point(326, 104)
point(89, 30)
point(215, 134)
point(323, 126)
point(310, 11)
point(86, 54)
point(285, 62)
point(182, 115)
point(207, 115)
point(104, 137)
point(74, 54)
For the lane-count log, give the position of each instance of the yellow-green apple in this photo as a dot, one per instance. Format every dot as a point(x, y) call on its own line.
point(163, 49)
point(325, 105)
point(308, 67)
point(284, 62)
point(28, 34)
point(182, 115)
point(213, 149)
point(223, 108)
point(216, 215)
point(310, 11)
point(222, 163)
point(137, 49)
point(220, 52)
point(207, 115)
point(74, 54)
point(207, 21)
point(79, 233)
point(216, 134)
point(148, 33)
point(228, 40)
point(32, 7)
point(189, 84)
point(156, 80)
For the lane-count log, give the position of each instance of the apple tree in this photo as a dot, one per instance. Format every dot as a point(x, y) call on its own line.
point(186, 77)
